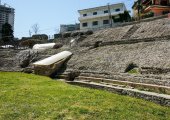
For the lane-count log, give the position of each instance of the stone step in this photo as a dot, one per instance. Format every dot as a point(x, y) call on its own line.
point(11, 69)
point(123, 77)
point(104, 83)
point(161, 99)
point(159, 77)
point(131, 78)
point(143, 86)
point(147, 84)
point(153, 76)
point(62, 76)
point(130, 32)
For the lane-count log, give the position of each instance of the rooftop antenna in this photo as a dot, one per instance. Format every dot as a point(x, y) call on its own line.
point(110, 15)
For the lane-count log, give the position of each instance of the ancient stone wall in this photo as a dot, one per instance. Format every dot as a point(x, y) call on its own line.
point(116, 58)
point(151, 29)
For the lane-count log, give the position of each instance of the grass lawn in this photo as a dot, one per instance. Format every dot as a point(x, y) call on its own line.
point(27, 97)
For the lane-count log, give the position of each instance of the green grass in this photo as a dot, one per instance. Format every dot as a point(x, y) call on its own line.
point(134, 71)
point(28, 97)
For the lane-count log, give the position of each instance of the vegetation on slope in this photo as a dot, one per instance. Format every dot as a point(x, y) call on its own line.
point(24, 96)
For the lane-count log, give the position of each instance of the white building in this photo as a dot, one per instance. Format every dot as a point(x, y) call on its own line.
point(6, 16)
point(99, 17)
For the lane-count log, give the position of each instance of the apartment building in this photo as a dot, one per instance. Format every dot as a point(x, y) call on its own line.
point(100, 17)
point(6, 16)
point(158, 7)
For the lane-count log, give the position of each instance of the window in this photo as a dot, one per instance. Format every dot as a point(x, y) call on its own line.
point(164, 2)
point(84, 24)
point(105, 22)
point(95, 23)
point(71, 28)
point(94, 13)
point(84, 15)
point(117, 10)
point(106, 11)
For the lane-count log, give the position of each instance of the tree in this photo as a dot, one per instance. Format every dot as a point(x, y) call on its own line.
point(126, 16)
point(30, 33)
point(35, 28)
point(122, 17)
point(139, 7)
point(7, 33)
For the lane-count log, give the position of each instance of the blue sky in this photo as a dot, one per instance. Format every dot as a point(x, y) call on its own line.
point(49, 14)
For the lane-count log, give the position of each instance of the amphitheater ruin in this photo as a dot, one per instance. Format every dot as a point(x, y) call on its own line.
point(132, 59)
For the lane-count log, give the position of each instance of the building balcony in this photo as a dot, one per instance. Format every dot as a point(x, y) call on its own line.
point(99, 16)
point(148, 8)
point(146, 1)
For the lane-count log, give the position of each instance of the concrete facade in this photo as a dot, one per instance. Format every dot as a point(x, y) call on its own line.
point(100, 17)
point(7, 15)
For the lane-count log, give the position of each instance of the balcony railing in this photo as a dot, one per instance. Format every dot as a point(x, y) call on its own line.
point(99, 15)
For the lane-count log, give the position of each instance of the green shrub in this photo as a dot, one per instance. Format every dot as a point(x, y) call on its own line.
point(165, 12)
point(130, 67)
point(57, 36)
point(134, 71)
point(122, 17)
point(74, 34)
point(66, 35)
point(89, 32)
point(28, 43)
point(40, 37)
point(78, 33)
point(148, 15)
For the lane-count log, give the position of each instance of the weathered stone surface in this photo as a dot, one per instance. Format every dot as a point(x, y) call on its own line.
point(52, 64)
point(72, 75)
point(28, 70)
point(25, 57)
point(57, 45)
point(8, 60)
point(116, 58)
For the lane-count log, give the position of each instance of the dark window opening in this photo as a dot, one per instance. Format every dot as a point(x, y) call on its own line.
point(105, 22)
point(94, 13)
point(84, 24)
point(84, 15)
point(106, 11)
point(95, 23)
point(117, 10)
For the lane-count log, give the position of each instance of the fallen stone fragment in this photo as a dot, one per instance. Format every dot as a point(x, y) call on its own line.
point(50, 65)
